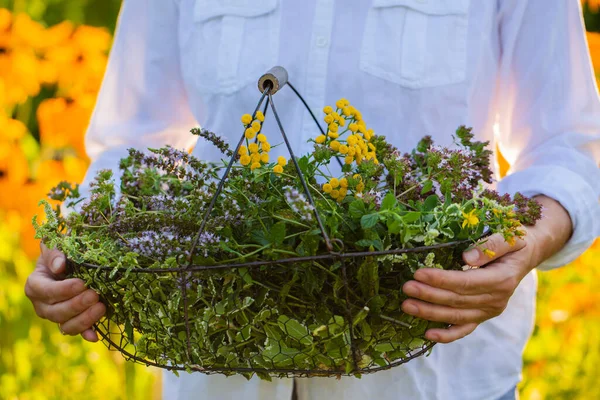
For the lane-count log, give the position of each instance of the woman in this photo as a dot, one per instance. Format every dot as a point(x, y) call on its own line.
point(413, 67)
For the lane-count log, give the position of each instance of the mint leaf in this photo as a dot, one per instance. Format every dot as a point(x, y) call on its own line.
point(295, 329)
point(368, 221)
point(389, 201)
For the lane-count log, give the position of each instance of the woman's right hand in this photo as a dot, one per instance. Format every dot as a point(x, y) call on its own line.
point(64, 301)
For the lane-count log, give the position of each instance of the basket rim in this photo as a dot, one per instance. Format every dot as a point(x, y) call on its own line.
point(258, 263)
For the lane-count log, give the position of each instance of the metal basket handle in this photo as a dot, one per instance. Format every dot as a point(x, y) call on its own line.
point(268, 84)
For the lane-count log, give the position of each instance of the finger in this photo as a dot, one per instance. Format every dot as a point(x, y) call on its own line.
point(435, 295)
point(65, 310)
point(90, 335)
point(490, 249)
point(451, 334)
point(438, 313)
point(474, 281)
point(53, 260)
point(44, 288)
point(85, 320)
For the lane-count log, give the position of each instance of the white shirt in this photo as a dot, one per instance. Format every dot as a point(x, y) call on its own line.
point(413, 67)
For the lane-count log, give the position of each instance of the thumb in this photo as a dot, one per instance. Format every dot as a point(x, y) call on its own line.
point(53, 259)
point(491, 249)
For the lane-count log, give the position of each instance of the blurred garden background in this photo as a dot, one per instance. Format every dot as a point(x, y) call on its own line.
point(52, 57)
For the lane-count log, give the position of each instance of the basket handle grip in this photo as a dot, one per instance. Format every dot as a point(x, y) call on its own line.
point(275, 79)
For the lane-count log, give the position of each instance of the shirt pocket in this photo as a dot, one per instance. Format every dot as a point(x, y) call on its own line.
point(235, 41)
point(416, 43)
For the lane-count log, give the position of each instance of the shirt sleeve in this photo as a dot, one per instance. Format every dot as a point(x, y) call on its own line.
point(142, 102)
point(549, 114)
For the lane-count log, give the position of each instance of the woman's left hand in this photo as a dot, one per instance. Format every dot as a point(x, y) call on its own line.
point(466, 299)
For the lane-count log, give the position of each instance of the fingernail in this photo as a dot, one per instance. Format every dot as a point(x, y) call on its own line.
point(433, 336)
point(56, 264)
point(410, 308)
point(471, 256)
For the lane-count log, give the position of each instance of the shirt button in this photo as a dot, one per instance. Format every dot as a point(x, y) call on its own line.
point(322, 41)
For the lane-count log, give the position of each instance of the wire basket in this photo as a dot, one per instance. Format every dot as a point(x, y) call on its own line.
point(336, 325)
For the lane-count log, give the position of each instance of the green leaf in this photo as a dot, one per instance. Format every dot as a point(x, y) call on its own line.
point(272, 332)
point(411, 216)
point(295, 329)
point(277, 233)
point(369, 220)
point(279, 354)
point(431, 202)
point(357, 209)
point(427, 186)
point(389, 201)
point(368, 277)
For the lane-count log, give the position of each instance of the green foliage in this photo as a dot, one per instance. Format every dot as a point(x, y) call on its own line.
point(311, 315)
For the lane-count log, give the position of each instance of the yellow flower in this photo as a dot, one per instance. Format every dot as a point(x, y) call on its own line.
point(335, 145)
point(344, 183)
point(260, 116)
point(510, 240)
point(343, 149)
point(261, 138)
point(253, 147)
point(369, 134)
point(333, 127)
point(321, 139)
point(489, 253)
point(245, 159)
point(348, 160)
point(358, 151)
point(372, 146)
point(347, 111)
point(357, 176)
point(256, 126)
point(352, 140)
point(360, 187)
point(342, 121)
point(351, 151)
point(278, 169)
point(334, 182)
point(327, 109)
point(470, 219)
point(335, 194)
point(341, 103)
point(327, 188)
point(264, 158)
point(353, 127)
point(333, 135)
point(361, 127)
point(281, 160)
point(254, 166)
point(243, 150)
point(328, 119)
point(266, 146)
point(246, 119)
point(250, 133)
point(343, 192)
point(255, 157)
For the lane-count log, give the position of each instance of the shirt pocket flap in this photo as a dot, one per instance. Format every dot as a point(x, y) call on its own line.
point(431, 7)
point(207, 9)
